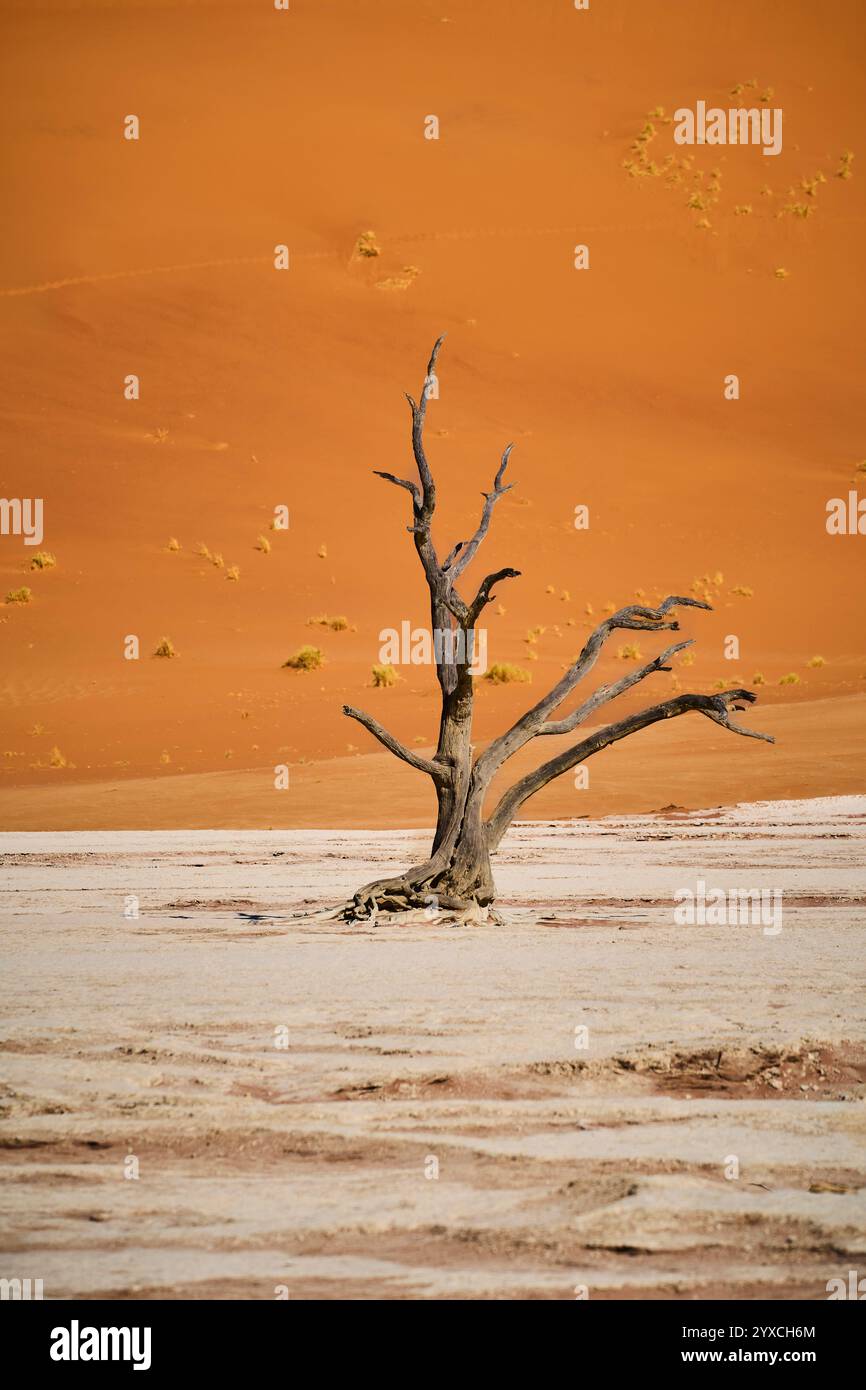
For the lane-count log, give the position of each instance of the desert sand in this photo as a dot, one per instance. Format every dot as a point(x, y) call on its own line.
point(261, 388)
point(323, 1111)
point(677, 764)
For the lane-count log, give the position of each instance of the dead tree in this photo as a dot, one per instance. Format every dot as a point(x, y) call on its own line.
point(457, 875)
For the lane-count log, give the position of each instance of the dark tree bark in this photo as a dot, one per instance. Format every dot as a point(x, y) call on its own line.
point(458, 874)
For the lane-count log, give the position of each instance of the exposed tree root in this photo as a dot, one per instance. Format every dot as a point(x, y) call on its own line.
point(394, 912)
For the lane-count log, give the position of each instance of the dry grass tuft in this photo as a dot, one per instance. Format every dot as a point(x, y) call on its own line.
point(385, 676)
point(305, 659)
point(844, 170)
point(504, 672)
point(367, 245)
point(338, 624)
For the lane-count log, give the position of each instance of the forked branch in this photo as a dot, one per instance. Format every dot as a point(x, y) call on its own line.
point(465, 551)
point(634, 617)
point(446, 604)
point(715, 707)
point(605, 693)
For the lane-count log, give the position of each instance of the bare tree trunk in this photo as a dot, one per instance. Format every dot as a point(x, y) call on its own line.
point(458, 873)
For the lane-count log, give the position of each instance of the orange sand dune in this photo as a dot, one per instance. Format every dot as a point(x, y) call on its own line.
point(688, 763)
point(262, 388)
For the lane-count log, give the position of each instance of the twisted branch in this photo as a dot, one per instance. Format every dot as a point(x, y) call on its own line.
point(484, 595)
point(433, 769)
point(634, 617)
point(468, 549)
point(605, 693)
point(715, 707)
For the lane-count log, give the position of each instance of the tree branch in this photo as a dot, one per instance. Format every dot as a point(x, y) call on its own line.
point(715, 707)
point(419, 411)
point(451, 556)
point(605, 693)
point(434, 770)
point(445, 602)
point(484, 596)
point(403, 482)
point(634, 617)
point(468, 549)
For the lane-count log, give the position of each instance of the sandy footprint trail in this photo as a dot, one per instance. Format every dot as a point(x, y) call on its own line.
point(430, 1048)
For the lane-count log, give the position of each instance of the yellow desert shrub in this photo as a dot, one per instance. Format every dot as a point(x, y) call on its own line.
point(367, 245)
point(385, 675)
point(339, 624)
point(306, 659)
point(504, 672)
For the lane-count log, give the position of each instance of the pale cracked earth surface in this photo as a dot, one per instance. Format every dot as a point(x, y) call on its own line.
point(153, 1041)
